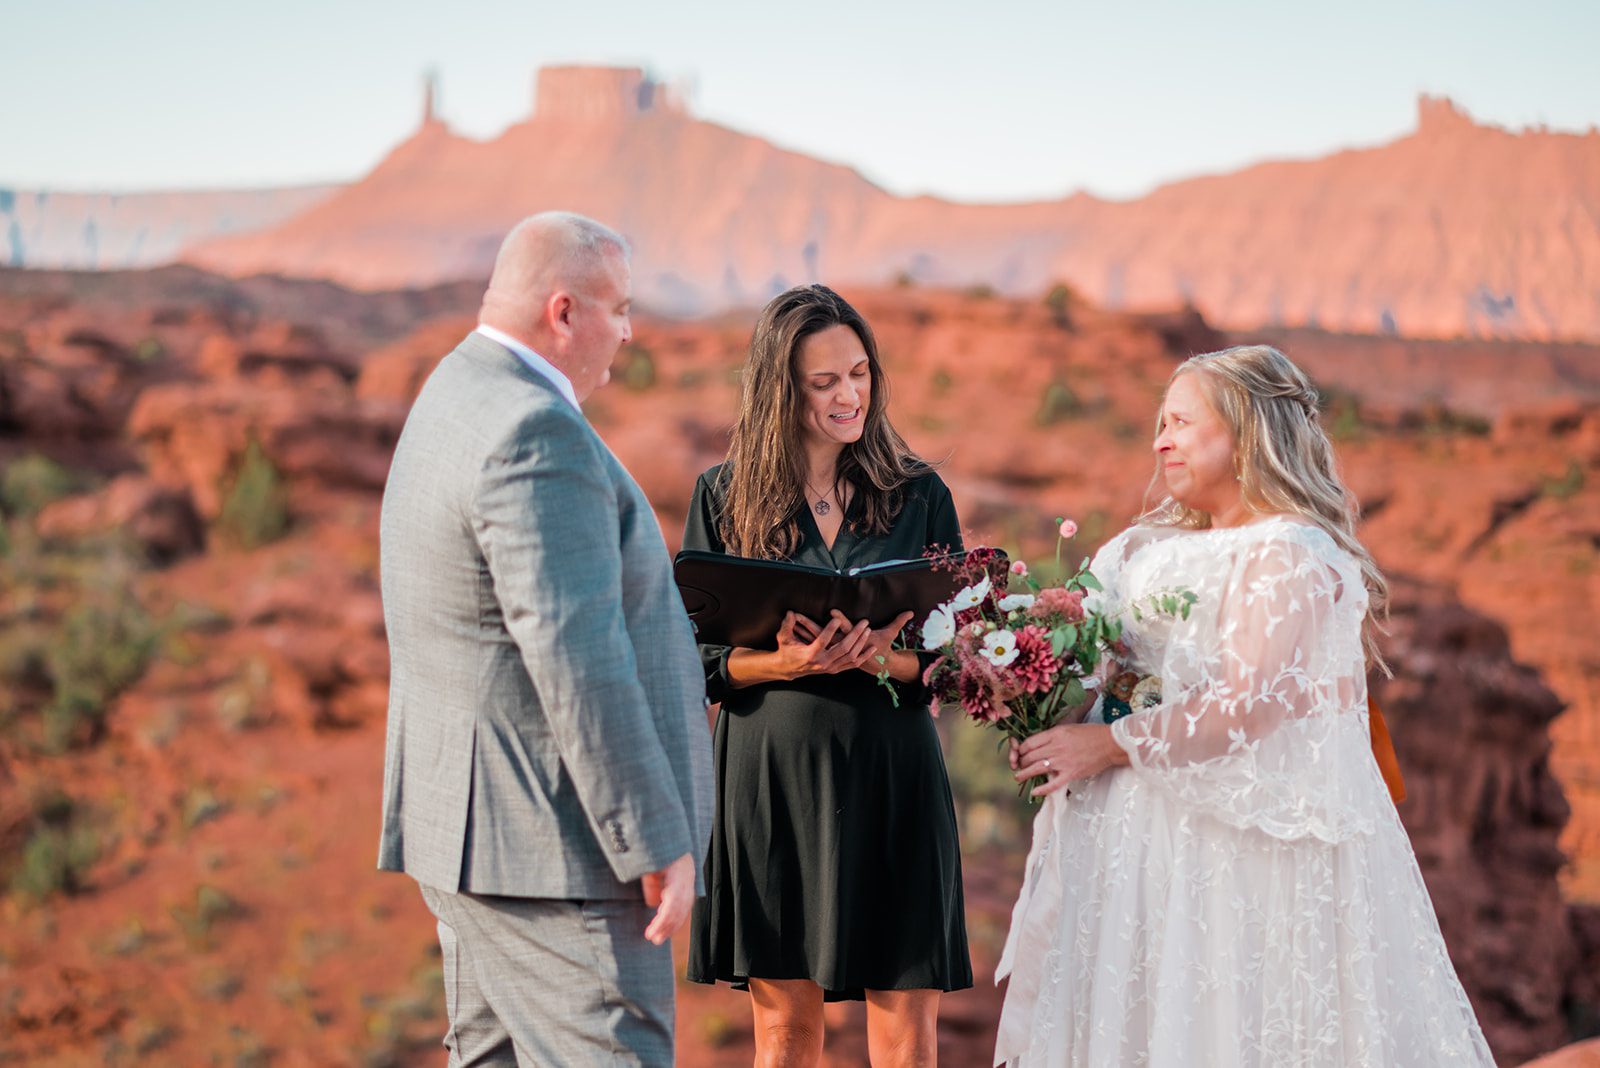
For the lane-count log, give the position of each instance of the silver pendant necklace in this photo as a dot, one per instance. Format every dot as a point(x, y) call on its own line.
point(821, 505)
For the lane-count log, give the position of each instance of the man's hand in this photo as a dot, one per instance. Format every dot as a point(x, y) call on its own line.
point(670, 892)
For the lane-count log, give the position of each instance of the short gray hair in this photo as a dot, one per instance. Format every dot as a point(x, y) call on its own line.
point(578, 242)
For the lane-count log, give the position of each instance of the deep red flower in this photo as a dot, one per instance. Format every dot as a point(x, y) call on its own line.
point(1035, 667)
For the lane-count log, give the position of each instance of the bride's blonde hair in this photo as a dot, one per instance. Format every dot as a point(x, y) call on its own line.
point(1282, 458)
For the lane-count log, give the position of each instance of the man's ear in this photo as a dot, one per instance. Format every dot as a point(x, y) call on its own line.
point(558, 313)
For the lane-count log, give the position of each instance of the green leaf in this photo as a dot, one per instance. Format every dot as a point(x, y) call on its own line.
point(1058, 642)
point(1090, 582)
point(1075, 692)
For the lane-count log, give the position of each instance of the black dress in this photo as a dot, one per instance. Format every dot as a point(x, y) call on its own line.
point(834, 854)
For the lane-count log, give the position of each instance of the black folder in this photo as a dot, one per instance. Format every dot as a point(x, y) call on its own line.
point(734, 600)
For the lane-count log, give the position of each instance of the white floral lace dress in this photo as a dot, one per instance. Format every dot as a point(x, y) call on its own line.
point(1243, 895)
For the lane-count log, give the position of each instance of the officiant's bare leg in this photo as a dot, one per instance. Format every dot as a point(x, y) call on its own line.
point(788, 1017)
point(903, 1028)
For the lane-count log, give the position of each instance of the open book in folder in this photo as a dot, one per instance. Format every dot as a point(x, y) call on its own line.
point(734, 600)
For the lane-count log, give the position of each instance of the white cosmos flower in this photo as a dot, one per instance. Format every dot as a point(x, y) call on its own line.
point(999, 648)
point(938, 630)
point(971, 596)
point(1013, 601)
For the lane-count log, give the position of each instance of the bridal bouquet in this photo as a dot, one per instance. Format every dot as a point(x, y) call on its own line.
point(1021, 661)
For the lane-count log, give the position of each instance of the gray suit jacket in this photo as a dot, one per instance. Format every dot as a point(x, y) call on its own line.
point(547, 732)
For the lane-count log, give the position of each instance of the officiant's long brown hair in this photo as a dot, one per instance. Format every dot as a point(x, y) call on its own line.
point(765, 476)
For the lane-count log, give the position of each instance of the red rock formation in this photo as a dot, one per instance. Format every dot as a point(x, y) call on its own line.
point(1484, 813)
point(247, 761)
point(1458, 229)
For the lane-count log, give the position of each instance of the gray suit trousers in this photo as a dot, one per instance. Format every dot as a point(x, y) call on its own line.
point(548, 983)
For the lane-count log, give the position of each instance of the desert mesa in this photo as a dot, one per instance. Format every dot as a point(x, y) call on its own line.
point(1459, 229)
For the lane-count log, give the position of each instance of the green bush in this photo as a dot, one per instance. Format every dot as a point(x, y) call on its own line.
point(1564, 486)
point(1061, 300)
point(255, 510)
point(1342, 416)
point(1058, 404)
point(149, 350)
point(636, 368)
point(58, 852)
point(103, 647)
point(33, 481)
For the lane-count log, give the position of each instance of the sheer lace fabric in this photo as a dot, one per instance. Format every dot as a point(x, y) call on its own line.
point(1243, 894)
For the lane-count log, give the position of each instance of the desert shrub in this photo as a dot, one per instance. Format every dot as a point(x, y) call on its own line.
point(404, 1024)
point(102, 647)
point(255, 510)
point(1341, 414)
point(200, 805)
point(216, 983)
point(33, 481)
point(1563, 486)
point(149, 350)
point(981, 291)
point(1057, 404)
point(1438, 419)
point(636, 368)
point(1061, 300)
point(211, 906)
point(58, 851)
point(24, 649)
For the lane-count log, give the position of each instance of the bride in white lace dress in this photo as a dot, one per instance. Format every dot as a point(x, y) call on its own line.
point(1227, 882)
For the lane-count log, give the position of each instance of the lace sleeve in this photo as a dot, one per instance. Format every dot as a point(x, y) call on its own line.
point(1263, 723)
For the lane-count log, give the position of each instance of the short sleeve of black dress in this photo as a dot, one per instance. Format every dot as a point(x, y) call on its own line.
point(834, 854)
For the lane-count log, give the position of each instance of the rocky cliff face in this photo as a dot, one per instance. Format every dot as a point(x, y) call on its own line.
point(239, 772)
point(1485, 814)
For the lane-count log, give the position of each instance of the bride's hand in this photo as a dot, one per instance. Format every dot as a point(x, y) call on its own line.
point(1065, 753)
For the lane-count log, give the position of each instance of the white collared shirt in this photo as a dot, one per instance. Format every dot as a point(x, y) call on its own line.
point(535, 361)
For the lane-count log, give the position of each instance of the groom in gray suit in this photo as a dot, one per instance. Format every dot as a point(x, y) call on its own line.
point(547, 773)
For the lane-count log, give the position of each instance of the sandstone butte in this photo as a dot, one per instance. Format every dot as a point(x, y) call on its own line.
point(1458, 229)
point(231, 913)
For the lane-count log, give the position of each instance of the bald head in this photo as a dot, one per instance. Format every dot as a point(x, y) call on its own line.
point(561, 285)
point(543, 254)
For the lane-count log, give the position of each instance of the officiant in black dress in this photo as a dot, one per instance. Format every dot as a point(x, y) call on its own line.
point(834, 870)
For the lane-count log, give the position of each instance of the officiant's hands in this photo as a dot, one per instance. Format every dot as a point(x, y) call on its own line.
point(1065, 753)
point(806, 647)
point(670, 892)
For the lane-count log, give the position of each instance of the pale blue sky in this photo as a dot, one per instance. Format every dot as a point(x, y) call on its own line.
point(977, 101)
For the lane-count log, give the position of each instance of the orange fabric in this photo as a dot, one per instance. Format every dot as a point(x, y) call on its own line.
point(1383, 751)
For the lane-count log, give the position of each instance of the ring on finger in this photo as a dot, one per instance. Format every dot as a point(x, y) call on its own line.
point(1047, 762)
